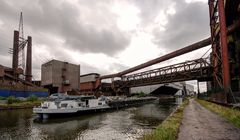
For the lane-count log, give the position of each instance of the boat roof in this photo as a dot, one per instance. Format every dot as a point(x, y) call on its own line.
point(82, 97)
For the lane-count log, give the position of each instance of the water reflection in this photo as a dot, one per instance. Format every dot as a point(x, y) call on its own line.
point(128, 123)
point(15, 124)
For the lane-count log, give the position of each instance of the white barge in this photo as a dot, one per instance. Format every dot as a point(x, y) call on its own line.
point(71, 105)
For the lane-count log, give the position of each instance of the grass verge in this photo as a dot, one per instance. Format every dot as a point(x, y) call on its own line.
point(168, 129)
point(231, 114)
point(21, 105)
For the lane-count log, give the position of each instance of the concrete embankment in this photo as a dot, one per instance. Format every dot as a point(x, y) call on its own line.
point(168, 129)
point(120, 103)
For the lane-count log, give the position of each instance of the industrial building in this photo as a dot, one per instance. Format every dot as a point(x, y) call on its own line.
point(12, 85)
point(88, 82)
point(59, 76)
point(169, 88)
point(90, 85)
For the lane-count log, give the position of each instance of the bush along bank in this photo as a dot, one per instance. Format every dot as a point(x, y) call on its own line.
point(16, 103)
point(229, 113)
point(168, 129)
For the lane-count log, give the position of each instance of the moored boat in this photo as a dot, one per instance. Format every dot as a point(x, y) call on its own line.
point(63, 105)
point(71, 105)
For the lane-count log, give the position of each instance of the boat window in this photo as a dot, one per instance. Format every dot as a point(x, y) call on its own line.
point(100, 103)
point(64, 105)
point(87, 98)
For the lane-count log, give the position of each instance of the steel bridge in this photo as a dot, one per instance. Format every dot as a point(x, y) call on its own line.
point(198, 69)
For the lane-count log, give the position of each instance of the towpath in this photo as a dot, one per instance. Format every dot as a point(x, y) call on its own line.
point(201, 124)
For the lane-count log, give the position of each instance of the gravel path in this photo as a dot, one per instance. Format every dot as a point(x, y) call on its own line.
point(201, 124)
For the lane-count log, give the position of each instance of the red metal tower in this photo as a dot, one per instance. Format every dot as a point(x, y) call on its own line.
point(220, 48)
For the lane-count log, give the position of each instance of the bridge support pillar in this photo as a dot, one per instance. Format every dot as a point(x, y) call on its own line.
point(198, 90)
point(224, 48)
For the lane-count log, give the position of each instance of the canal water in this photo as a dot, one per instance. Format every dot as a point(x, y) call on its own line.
point(130, 123)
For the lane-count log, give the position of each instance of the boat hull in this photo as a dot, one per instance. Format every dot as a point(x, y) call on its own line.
point(59, 113)
point(45, 113)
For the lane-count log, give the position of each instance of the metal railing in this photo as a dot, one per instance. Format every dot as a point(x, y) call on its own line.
point(189, 70)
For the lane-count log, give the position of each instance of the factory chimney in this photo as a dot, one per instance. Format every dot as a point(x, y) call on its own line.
point(15, 51)
point(29, 60)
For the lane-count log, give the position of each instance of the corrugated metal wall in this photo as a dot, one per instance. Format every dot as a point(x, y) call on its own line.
point(7, 93)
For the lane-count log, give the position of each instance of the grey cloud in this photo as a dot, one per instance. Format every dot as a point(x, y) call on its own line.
point(189, 25)
point(64, 21)
point(5, 45)
point(119, 67)
point(5, 61)
point(96, 41)
point(86, 68)
point(149, 9)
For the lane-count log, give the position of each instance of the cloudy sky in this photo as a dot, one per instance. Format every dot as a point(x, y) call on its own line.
point(104, 36)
